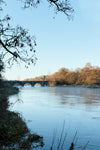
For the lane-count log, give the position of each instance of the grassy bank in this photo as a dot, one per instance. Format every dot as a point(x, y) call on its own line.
point(7, 91)
point(14, 133)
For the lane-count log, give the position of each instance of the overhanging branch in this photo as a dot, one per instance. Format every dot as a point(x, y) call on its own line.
point(3, 45)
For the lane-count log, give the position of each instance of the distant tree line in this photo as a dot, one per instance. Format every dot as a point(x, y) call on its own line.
point(88, 75)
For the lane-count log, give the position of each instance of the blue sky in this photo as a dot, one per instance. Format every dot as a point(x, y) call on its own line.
point(60, 43)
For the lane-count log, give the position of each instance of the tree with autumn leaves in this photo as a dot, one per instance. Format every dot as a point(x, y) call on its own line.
point(87, 75)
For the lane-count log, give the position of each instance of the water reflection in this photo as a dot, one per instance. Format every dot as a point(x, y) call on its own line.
point(77, 95)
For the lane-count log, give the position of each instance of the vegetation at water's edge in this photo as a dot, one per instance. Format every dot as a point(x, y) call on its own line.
point(88, 75)
point(14, 133)
point(7, 91)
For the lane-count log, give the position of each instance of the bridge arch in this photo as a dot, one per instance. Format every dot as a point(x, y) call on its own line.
point(22, 83)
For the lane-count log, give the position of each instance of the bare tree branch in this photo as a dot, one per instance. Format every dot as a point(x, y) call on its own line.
point(14, 54)
point(17, 41)
point(63, 6)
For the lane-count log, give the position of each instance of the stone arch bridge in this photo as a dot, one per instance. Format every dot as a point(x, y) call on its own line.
point(22, 83)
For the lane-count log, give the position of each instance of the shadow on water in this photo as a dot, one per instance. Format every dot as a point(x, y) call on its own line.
point(14, 133)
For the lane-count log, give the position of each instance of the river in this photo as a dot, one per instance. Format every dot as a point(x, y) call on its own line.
point(46, 109)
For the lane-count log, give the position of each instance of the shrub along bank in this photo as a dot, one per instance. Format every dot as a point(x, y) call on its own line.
point(14, 133)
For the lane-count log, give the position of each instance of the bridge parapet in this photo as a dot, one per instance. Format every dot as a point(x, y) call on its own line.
point(22, 83)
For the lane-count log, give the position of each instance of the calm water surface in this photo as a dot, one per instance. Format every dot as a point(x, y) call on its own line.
point(46, 108)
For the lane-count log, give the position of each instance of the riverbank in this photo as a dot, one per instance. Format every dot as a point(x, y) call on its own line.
point(14, 133)
point(7, 91)
point(85, 86)
point(93, 86)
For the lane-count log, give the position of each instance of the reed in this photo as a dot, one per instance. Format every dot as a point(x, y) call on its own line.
point(62, 141)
